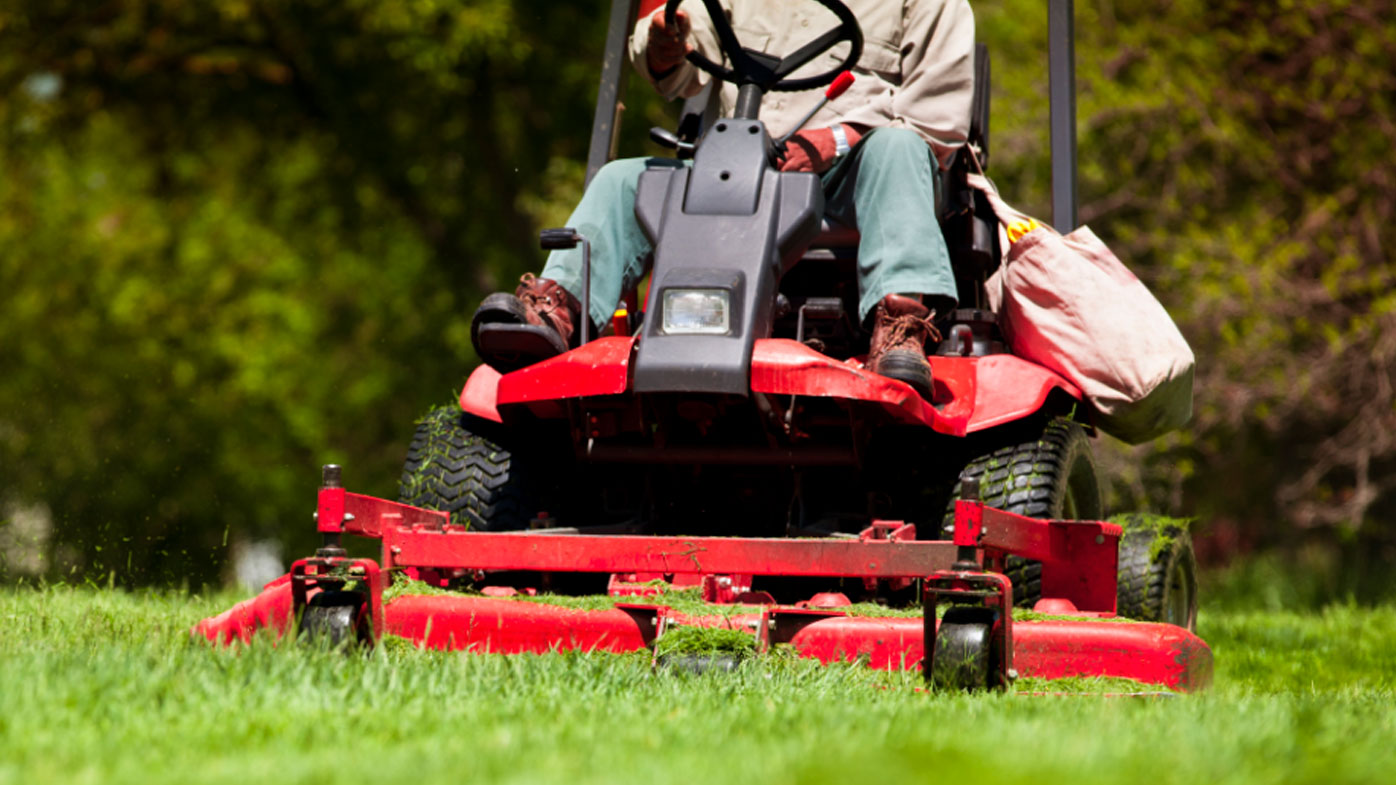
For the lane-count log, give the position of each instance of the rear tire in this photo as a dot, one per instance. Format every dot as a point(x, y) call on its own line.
point(1052, 476)
point(1157, 572)
point(462, 464)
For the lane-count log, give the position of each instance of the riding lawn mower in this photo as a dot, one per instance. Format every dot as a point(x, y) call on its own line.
point(725, 442)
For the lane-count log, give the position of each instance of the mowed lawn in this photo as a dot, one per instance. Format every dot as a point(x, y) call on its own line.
point(104, 686)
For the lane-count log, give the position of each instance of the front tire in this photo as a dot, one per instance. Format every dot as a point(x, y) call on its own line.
point(336, 619)
point(964, 655)
point(462, 464)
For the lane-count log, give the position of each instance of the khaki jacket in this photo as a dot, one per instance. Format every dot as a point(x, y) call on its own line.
point(916, 71)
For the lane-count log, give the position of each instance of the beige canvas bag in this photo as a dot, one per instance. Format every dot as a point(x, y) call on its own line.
point(1069, 304)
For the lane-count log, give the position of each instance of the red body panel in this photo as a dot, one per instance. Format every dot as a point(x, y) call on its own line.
point(602, 367)
point(480, 393)
point(1079, 558)
point(269, 610)
point(971, 393)
point(1007, 388)
point(784, 367)
point(510, 626)
point(422, 546)
point(1158, 653)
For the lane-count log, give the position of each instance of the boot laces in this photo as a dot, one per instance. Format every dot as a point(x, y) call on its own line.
point(900, 326)
point(532, 296)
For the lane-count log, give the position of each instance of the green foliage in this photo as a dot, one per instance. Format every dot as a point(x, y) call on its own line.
point(241, 238)
point(1238, 157)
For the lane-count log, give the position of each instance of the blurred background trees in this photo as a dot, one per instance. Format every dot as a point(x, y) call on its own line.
point(241, 238)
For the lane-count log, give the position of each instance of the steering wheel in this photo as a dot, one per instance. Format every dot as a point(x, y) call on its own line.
point(769, 73)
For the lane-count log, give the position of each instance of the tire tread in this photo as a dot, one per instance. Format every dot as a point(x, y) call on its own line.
point(454, 465)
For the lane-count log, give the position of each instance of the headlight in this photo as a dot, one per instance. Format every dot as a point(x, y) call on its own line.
point(697, 311)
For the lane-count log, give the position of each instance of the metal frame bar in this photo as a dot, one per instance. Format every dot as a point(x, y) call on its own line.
point(337, 571)
point(605, 125)
point(426, 547)
point(1061, 61)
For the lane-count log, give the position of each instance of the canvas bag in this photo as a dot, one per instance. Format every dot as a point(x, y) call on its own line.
point(1069, 304)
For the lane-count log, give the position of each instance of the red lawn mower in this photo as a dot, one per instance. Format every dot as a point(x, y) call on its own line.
point(727, 440)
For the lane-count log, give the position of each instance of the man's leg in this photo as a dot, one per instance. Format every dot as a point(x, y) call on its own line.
point(606, 217)
point(887, 189)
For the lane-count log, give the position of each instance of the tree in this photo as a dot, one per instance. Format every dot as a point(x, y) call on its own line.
point(241, 239)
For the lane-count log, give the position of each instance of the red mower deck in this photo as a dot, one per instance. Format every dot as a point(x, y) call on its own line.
point(1083, 638)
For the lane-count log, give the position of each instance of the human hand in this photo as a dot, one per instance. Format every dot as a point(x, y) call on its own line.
point(667, 47)
point(814, 149)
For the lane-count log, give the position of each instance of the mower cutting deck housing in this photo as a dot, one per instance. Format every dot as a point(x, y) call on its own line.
point(975, 644)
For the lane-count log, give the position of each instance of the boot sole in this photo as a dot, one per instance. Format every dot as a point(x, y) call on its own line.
point(503, 338)
point(909, 368)
point(509, 347)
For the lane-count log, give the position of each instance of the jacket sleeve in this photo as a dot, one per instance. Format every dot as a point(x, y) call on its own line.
point(937, 89)
point(686, 80)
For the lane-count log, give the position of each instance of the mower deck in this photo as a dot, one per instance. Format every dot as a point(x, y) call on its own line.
point(1084, 638)
point(1044, 648)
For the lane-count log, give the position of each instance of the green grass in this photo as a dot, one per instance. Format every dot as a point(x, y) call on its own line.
point(102, 686)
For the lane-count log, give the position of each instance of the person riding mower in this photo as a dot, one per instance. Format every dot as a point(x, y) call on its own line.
point(878, 148)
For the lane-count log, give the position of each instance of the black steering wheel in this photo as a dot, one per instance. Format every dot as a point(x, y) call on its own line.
point(770, 73)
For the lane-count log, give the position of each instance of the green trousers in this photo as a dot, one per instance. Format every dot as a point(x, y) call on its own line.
point(885, 186)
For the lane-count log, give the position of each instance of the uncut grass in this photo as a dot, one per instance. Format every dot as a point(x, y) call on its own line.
point(106, 687)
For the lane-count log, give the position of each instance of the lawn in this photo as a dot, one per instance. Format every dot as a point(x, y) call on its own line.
point(104, 686)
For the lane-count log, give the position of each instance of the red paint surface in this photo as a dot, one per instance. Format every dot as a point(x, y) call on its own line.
point(602, 367)
point(1006, 388)
point(784, 367)
point(1151, 653)
point(479, 395)
point(1079, 558)
point(422, 546)
point(269, 610)
point(509, 626)
point(370, 516)
point(971, 393)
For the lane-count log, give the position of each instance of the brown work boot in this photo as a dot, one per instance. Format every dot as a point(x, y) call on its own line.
point(536, 322)
point(898, 351)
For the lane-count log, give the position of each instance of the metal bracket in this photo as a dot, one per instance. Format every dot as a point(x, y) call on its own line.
point(986, 589)
point(307, 574)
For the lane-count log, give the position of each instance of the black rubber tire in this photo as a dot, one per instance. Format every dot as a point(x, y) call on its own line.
point(964, 653)
point(1052, 476)
point(1157, 573)
point(336, 619)
point(461, 464)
